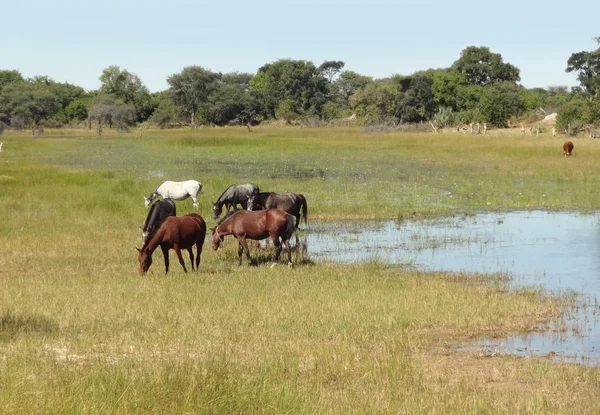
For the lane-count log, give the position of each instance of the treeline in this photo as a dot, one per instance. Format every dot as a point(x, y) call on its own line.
point(478, 87)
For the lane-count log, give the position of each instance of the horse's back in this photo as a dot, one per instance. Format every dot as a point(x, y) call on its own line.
point(289, 202)
point(188, 228)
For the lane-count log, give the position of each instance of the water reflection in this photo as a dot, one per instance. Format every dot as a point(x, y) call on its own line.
point(560, 251)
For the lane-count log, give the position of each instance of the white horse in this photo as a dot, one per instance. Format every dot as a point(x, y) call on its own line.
point(176, 191)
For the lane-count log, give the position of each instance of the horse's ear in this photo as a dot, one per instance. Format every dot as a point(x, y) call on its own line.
point(139, 250)
point(213, 229)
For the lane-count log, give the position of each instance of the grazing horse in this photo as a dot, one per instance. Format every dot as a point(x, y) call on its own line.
point(176, 191)
point(234, 195)
point(159, 211)
point(177, 233)
point(567, 148)
point(257, 225)
point(292, 203)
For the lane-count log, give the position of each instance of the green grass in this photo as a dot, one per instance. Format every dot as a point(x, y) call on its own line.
point(82, 332)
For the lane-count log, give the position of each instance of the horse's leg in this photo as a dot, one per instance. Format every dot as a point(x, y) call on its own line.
point(195, 199)
point(178, 252)
point(298, 220)
point(246, 250)
point(240, 250)
point(277, 244)
point(289, 251)
point(165, 251)
point(191, 256)
point(198, 253)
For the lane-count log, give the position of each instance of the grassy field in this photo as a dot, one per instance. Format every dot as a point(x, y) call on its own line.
point(82, 332)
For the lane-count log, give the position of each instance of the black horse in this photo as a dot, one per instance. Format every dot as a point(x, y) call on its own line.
point(159, 211)
point(292, 203)
point(235, 194)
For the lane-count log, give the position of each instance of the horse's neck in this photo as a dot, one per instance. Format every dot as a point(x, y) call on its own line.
point(224, 195)
point(151, 217)
point(155, 241)
point(225, 228)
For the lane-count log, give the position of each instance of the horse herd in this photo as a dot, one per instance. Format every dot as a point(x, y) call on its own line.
point(263, 215)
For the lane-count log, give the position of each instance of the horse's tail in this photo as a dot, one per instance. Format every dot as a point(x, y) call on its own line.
point(304, 208)
point(289, 228)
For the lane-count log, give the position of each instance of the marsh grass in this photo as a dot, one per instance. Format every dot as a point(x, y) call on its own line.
point(82, 332)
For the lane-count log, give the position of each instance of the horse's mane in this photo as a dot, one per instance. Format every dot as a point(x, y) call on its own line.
point(227, 216)
point(150, 213)
point(225, 191)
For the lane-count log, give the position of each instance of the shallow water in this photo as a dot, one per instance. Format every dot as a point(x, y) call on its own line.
point(560, 251)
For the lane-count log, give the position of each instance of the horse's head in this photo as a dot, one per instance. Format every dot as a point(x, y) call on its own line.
point(145, 260)
point(217, 239)
point(147, 202)
point(216, 210)
point(251, 202)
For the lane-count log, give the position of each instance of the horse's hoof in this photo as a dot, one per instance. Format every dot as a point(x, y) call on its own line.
point(273, 265)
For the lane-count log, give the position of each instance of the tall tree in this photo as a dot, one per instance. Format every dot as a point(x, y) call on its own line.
point(587, 67)
point(191, 87)
point(349, 82)
point(128, 87)
point(329, 69)
point(8, 77)
point(482, 67)
point(33, 102)
point(298, 81)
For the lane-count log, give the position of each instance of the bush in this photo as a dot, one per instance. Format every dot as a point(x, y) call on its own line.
point(444, 117)
point(17, 122)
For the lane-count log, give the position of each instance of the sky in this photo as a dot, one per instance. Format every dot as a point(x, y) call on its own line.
point(74, 40)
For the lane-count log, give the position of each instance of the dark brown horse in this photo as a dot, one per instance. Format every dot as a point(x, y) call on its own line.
point(257, 225)
point(177, 233)
point(292, 203)
point(567, 148)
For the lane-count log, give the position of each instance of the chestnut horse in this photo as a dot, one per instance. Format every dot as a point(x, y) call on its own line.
point(257, 225)
point(292, 203)
point(177, 233)
point(567, 148)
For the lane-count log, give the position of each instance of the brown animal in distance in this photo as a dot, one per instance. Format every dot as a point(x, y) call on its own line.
point(567, 148)
point(177, 233)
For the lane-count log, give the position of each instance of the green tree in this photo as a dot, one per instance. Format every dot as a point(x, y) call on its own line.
point(33, 102)
point(377, 102)
point(192, 87)
point(127, 87)
point(445, 87)
point(227, 103)
point(166, 112)
point(329, 69)
point(416, 103)
point(286, 111)
point(295, 80)
point(8, 77)
point(482, 67)
point(349, 83)
point(587, 67)
point(499, 102)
